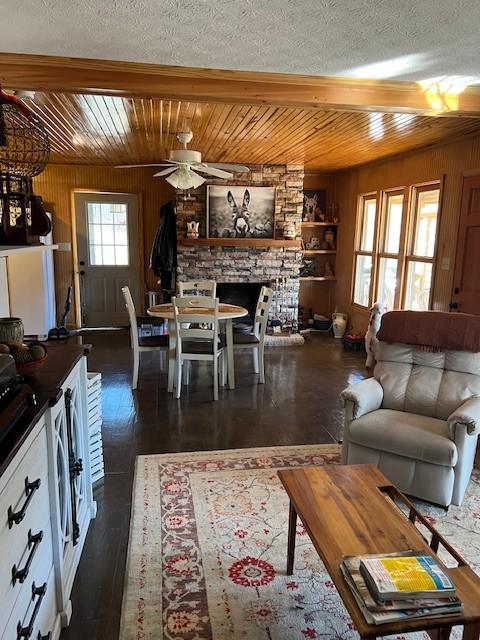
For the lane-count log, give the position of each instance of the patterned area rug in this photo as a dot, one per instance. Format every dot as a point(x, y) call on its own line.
point(207, 550)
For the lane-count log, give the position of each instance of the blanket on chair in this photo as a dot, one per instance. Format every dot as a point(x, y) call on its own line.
point(432, 330)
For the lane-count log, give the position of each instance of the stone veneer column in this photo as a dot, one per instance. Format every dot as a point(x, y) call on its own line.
point(278, 266)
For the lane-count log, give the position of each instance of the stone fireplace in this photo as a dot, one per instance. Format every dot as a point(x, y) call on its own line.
point(261, 262)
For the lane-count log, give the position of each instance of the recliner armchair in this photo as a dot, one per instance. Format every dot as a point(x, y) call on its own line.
point(417, 420)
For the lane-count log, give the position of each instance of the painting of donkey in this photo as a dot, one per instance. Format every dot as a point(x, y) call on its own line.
point(240, 212)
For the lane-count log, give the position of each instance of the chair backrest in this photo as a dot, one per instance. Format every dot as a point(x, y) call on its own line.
point(198, 287)
point(132, 316)
point(196, 317)
point(428, 383)
point(264, 303)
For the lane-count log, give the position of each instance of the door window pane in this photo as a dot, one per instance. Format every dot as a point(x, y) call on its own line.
point(121, 255)
point(363, 276)
point(107, 233)
point(387, 281)
point(393, 223)
point(368, 224)
point(426, 223)
point(419, 282)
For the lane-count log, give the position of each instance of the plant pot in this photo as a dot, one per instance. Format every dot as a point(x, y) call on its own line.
point(11, 330)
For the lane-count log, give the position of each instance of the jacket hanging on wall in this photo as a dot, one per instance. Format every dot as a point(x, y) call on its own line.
point(163, 259)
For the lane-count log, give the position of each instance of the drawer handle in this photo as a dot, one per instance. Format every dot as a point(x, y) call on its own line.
point(26, 632)
point(33, 542)
point(47, 636)
point(15, 517)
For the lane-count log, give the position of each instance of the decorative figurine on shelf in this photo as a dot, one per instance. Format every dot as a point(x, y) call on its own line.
point(289, 231)
point(192, 229)
point(339, 323)
point(332, 211)
point(374, 322)
point(314, 243)
point(329, 237)
point(328, 273)
point(308, 268)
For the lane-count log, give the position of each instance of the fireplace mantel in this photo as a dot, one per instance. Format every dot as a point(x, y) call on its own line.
point(241, 242)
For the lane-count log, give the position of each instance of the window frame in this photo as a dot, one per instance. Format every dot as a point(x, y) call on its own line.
point(381, 252)
point(405, 253)
point(410, 256)
point(362, 198)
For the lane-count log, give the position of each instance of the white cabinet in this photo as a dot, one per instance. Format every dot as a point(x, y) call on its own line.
point(70, 482)
point(27, 590)
point(45, 509)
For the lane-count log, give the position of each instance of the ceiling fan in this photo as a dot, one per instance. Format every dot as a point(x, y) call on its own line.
point(184, 166)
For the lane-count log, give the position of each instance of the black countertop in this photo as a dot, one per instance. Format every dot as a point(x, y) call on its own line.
point(46, 384)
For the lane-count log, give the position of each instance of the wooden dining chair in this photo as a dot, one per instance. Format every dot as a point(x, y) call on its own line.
point(198, 287)
point(140, 344)
point(197, 338)
point(255, 341)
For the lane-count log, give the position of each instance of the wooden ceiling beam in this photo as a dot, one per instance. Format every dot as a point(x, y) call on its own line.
point(135, 80)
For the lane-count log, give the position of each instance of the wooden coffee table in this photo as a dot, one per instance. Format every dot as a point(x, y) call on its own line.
point(350, 510)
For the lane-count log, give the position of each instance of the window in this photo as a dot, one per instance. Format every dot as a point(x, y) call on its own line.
point(107, 233)
point(421, 252)
point(389, 258)
point(364, 253)
point(395, 251)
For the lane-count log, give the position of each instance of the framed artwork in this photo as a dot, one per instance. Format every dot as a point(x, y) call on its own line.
point(314, 205)
point(240, 212)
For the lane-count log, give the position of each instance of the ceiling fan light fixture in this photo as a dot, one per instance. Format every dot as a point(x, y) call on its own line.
point(184, 178)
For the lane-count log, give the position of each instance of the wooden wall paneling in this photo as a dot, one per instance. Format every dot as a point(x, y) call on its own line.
point(448, 162)
point(56, 185)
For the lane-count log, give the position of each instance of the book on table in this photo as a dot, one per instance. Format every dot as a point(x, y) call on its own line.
point(407, 607)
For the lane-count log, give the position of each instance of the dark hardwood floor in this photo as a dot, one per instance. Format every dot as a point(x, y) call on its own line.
point(298, 405)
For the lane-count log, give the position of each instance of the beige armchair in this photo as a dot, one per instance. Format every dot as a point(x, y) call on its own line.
point(417, 420)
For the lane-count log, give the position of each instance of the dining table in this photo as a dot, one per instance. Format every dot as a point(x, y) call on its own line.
point(226, 313)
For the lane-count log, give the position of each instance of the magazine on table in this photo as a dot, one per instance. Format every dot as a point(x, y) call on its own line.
point(399, 577)
point(378, 611)
point(384, 617)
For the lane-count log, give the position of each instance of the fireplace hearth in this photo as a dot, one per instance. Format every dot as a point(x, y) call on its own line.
point(243, 294)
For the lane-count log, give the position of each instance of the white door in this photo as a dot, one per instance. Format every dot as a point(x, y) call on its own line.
point(108, 256)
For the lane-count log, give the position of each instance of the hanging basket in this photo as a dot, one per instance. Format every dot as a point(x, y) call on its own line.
point(24, 145)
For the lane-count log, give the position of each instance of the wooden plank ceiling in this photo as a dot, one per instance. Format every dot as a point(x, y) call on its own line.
point(109, 130)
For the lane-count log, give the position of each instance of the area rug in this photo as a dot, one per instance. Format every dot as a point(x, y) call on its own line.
point(207, 550)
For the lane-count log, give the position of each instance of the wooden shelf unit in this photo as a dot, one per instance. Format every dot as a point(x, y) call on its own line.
point(316, 290)
point(241, 242)
point(318, 278)
point(319, 251)
point(320, 224)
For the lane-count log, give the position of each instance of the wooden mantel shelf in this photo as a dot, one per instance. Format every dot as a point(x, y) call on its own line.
point(240, 242)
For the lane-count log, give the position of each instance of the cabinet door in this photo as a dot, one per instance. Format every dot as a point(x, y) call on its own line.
point(61, 506)
point(77, 456)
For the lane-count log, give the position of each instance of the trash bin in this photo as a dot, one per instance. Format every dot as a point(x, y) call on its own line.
point(152, 298)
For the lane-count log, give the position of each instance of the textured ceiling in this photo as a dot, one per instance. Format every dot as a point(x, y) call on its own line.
point(403, 39)
point(112, 130)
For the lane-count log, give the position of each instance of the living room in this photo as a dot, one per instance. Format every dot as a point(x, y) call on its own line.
point(240, 285)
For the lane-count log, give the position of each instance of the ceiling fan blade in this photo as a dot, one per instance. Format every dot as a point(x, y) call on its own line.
point(236, 168)
point(211, 171)
point(164, 172)
point(135, 166)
